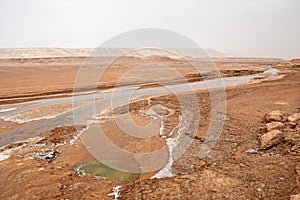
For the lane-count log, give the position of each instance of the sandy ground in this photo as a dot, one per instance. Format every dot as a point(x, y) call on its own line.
point(44, 76)
point(236, 168)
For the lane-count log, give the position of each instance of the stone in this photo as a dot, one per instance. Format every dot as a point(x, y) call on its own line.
point(292, 125)
point(295, 197)
point(274, 125)
point(274, 116)
point(295, 117)
point(270, 138)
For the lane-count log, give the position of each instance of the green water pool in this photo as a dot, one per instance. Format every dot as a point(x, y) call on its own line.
point(98, 169)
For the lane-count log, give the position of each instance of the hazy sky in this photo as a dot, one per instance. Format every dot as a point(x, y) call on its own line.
point(246, 27)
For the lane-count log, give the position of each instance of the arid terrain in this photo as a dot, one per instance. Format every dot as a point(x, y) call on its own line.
point(38, 74)
point(47, 153)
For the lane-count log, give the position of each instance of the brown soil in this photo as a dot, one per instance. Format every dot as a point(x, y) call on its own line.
point(236, 168)
point(33, 77)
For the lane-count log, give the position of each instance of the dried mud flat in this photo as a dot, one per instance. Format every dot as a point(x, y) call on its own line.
point(239, 166)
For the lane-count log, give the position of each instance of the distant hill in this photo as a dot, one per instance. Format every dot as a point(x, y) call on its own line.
point(216, 54)
point(83, 52)
point(43, 52)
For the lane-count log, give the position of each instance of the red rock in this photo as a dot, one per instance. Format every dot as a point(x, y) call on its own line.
point(294, 117)
point(270, 138)
point(274, 116)
point(274, 125)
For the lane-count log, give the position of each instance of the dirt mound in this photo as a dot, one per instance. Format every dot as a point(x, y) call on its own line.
point(59, 135)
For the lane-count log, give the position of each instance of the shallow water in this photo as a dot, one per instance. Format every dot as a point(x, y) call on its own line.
point(100, 170)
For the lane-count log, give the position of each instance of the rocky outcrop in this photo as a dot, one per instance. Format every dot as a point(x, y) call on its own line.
point(279, 128)
point(295, 63)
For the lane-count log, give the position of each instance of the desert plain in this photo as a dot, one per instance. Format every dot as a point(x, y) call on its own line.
point(49, 119)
